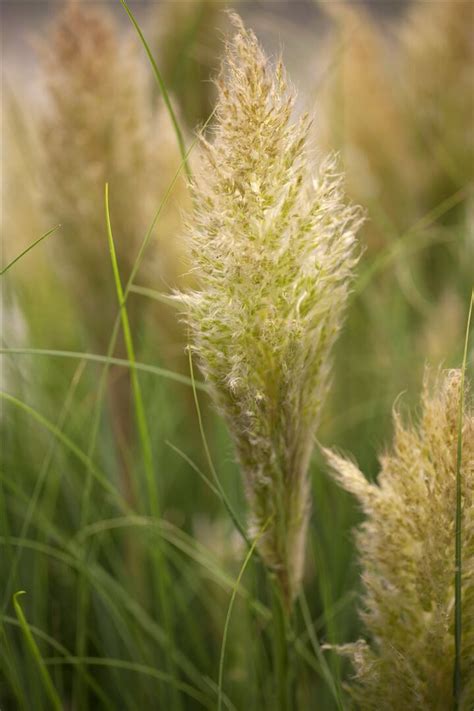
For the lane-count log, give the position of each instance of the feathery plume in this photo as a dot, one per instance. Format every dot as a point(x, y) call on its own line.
point(417, 93)
point(273, 249)
point(100, 126)
point(406, 548)
point(362, 118)
point(438, 84)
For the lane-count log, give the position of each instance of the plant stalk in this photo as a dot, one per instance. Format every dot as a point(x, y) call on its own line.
point(281, 656)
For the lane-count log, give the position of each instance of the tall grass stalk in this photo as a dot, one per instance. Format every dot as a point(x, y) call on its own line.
point(270, 246)
point(137, 394)
point(160, 570)
point(281, 650)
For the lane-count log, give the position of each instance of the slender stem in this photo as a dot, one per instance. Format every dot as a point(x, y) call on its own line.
point(160, 568)
point(212, 468)
point(229, 612)
point(280, 651)
point(25, 251)
point(108, 360)
point(326, 673)
point(163, 90)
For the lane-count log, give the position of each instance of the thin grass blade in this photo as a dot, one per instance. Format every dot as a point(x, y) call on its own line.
point(33, 648)
point(163, 90)
point(229, 613)
point(30, 247)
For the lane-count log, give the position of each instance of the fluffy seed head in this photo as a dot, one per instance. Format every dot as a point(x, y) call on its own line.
point(100, 125)
point(406, 548)
point(273, 249)
point(438, 81)
point(361, 107)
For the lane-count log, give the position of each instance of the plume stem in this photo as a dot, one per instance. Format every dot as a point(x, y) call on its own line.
point(281, 655)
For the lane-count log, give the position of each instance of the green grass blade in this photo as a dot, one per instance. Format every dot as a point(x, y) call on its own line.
point(137, 394)
point(406, 244)
point(181, 541)
point(120, 603)
point(30, 247)
point(65, 653)
point(107, 360)
point(325, 670)
point(33, 502)
point(457, 676)
point(36, 654)
point(70, 445)
point(10, 670)
point(195, 468)
point(163, 90)
point(137, 668)
point(155, 295)
point(229, 613)
point(161, 573)
point(212, 468)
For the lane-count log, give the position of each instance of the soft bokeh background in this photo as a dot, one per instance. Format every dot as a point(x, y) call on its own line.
point(391, 85)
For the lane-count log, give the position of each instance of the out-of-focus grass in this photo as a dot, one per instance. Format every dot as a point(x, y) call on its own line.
point(59, 446)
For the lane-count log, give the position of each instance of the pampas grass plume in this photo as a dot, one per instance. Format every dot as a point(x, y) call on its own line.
point(273, 249)
point(406, 549)
point(100, 125)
